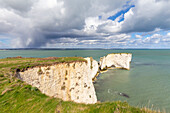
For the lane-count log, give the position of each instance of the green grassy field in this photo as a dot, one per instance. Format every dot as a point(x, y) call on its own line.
point(18, 97)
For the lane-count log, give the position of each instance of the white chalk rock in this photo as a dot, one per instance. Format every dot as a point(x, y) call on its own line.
point(117, 60)
point(68, 81)
point(93, 65)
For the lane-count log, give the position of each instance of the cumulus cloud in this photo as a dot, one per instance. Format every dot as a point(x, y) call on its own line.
point(148, 15)
point(155, 40)
point(35, 23)
point(138, 36)
point(54, 23)
point(166, 38)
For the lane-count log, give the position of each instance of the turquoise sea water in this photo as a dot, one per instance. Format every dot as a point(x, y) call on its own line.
point(147, 83)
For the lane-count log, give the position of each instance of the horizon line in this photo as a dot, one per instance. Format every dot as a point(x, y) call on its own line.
point(80, 48)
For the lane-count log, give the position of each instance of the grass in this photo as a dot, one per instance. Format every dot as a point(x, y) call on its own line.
point(17, 96)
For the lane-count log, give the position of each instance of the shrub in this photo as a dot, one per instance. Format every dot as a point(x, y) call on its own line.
point(19, 80)
point(28, 87)
point(34, 89)
point(40, 71)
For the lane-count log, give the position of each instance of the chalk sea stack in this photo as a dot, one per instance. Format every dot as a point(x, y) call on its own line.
point(117, 60)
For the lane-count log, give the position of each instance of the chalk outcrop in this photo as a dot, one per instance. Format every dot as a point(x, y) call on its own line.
point(68, 81)
point(93, 65)
point(72, 81)
point(117, 60)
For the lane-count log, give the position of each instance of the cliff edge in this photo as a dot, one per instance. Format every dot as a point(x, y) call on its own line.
point(70, 81)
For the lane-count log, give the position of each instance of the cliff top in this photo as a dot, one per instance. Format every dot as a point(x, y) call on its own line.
point(118, 53)
point(12, 64)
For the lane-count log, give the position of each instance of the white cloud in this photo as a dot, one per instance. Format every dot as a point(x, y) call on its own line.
point(30, 22)
point(166, 38)
point(138, 36)
point(40, 23)
point(153, 39)
point(18, 6)
point(121, 38)
point(148, 15)
point(168, 34)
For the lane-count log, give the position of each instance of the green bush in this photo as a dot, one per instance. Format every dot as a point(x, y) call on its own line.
point(34, 89)
point(28, 87)
point(40, 71)
point(19, 80)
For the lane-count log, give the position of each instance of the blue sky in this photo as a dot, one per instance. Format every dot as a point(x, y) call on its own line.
point(85, 24)
point(121, 13)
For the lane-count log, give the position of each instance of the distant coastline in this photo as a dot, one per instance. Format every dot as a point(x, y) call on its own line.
point(84, 48)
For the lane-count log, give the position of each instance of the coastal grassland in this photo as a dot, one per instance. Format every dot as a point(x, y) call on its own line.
point(13, 64)
point(17, 96)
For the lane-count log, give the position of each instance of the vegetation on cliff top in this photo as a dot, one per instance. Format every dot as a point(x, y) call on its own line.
point(17, 96)
point(12, 64)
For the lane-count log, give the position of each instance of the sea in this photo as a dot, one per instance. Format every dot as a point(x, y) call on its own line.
point(146, 84)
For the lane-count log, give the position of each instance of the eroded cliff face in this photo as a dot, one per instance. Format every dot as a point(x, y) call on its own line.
point(73, 81)
point(93, 65)
point(68, 81)
point(117, 60)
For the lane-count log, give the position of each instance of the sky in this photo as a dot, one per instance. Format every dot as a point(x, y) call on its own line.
point(84, 24)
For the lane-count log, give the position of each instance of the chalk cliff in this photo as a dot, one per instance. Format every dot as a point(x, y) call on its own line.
point(93, 65)
point(117, 60)
point(68, 81)
point(72, 81)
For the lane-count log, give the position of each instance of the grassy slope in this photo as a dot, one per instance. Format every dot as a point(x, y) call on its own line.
point(17, 96)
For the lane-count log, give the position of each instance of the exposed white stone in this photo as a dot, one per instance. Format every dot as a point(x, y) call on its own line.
point(68, 81)
point(117, 60)
point(93, 65)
